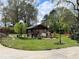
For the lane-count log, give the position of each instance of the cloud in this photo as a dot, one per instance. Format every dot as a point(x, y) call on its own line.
point(38, 2)
point(4, 2)
point(44, 9)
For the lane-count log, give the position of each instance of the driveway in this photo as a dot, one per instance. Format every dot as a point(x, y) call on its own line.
point(65, 53)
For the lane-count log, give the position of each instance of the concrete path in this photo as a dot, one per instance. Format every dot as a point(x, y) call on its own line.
point(65, 53)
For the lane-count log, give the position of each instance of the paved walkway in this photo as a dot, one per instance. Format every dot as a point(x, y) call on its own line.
point(65, 53)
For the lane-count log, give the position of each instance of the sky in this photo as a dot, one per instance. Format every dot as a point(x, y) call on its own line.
point(46, 6)
point(4, 1)
point(39, 2)
point(43, 9)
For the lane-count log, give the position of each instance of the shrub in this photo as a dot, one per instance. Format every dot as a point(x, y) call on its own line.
point(20, 28)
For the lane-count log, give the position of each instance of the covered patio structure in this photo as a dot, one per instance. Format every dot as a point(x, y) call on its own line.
point(38, 31)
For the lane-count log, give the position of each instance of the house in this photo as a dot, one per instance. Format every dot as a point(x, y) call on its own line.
point(38, 31)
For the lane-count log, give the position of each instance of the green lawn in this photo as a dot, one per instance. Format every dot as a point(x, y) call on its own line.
point(36, 44)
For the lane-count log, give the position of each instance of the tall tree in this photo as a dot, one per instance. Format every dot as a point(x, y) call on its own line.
point(20, 10)
point(60, 20)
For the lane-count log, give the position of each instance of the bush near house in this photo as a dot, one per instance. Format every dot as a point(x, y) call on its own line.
point(7, 30)
point(20, 28)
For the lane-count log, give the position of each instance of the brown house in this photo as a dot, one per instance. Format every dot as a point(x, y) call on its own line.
point(38, 31)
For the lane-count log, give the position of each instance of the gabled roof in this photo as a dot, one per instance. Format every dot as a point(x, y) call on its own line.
point(40, 26)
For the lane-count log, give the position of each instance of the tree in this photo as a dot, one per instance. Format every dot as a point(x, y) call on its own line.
point(66, 20)
point(20, 10)
point(27, 13)
point(1, 5)
point(75, 26)
point(76, 8)
point(20, 28)
point(60, 20)
point(62, 15)
point(5, 20)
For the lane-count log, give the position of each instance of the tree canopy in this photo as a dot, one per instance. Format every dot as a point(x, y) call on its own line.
point(61, 17)
point(20, 10)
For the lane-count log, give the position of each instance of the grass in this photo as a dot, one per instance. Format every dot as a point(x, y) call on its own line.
point(36, 44)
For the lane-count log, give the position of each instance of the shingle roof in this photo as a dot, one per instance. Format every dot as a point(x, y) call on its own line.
point(31, 27)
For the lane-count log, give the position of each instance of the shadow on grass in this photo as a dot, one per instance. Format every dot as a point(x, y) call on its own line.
point(27, 38)
point(58, 43)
